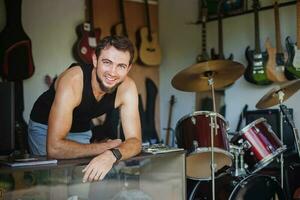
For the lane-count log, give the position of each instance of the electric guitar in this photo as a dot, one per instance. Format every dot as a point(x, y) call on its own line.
point(121, 29)
point(293, 63)
point(149, 49)
point(203, 17)
point(275, 64)
point(256, 70)
point(220, 56)
point(16, 61)
point(88, 37)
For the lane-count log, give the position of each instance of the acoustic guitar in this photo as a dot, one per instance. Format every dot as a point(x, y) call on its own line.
point(256, 70)
point(214, 55)
point(293, 63)
point(121, 29)
point(277, 58)
point(149, 49)
point(16, 62)
point(88, 37)
point(203, 18)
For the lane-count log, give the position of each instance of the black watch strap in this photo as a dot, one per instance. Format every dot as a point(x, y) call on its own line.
point(117, 153)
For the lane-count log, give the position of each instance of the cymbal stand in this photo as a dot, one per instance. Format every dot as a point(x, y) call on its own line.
point(280, 94)
point(213, 131)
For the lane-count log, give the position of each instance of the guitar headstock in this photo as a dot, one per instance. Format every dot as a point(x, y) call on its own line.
point(203, 11)
point(256, 5)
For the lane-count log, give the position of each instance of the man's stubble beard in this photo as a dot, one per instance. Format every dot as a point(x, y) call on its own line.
point(104, 88)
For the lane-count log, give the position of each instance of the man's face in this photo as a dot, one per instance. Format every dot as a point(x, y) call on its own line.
point(112, 67)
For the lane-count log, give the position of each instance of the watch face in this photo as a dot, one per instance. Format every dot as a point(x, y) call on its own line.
point(117, 153)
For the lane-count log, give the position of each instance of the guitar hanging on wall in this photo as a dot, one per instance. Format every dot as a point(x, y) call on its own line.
point(88, 37)
point(149, 49)
point(16, 62)
point(292, 67)
point(121, 29)
point(275, 64)
point(256, 70)
point(203, 18)
point(220, 56)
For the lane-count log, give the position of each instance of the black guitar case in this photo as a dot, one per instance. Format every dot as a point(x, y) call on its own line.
point(16, 62)
point(109, 129)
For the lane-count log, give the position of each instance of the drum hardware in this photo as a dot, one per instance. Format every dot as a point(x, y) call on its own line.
point(206, 76)
point(240, 166)
point(275, 96)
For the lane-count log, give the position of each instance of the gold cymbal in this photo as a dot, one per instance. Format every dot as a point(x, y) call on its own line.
point(195, 77)
point(272, 97)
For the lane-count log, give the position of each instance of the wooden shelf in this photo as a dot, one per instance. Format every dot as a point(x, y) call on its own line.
point(248, 11)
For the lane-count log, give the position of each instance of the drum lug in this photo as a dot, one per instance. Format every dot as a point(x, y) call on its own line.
point(246, 145)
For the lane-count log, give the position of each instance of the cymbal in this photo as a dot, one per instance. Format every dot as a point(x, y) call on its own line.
point(271, 98)
point(195, 78)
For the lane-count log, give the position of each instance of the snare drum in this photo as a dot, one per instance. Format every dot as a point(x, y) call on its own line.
point(260, 144)
point(193, 133)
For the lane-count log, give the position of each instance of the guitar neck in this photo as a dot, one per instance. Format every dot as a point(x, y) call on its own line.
point(122, 17)
point(204, 49)
point(298, 23)
point(256, 28)
point(148, 22)
point(277, 28)
point(220, 35)
point(90, 15)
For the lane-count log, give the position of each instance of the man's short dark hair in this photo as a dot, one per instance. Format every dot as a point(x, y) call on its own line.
point(121, 43)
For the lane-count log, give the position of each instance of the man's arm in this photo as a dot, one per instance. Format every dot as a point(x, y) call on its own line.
point(127, 99)
point(68, 95)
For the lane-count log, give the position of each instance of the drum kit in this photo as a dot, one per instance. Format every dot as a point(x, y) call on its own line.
point(204, 135)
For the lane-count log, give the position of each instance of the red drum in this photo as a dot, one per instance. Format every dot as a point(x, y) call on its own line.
point(260, 144)
point(193, 133)
point(258, 187)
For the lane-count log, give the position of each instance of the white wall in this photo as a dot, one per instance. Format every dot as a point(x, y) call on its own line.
point(51, 28)
point(181, 43)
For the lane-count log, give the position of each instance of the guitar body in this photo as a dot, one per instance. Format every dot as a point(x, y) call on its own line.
point(275, 64)
point(256, 71)
point(293, 62)
point(119, 30)
point(215, 56)
point(149, 51)
point(16, 62)
point(86, 43)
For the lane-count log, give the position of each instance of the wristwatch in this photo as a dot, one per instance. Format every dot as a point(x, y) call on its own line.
point(117, 153)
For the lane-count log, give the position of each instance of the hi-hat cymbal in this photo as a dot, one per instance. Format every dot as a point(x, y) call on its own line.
point(272, 98)
point(195, 77)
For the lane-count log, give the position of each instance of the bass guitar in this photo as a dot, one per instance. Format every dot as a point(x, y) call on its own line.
point(16, 62)
point(149, 49)
point(88, 37)
point(292, 67)
point(256, 70)
point(168, 129)
point(275, 64)
point(121, 29)
point(214, 55)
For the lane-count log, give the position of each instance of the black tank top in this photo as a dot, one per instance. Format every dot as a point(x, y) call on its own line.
point(88, 108)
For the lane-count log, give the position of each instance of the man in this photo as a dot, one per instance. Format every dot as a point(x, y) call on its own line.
point(60, 118)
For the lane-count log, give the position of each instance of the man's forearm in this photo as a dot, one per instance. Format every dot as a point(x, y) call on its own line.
point(130, 147)
point(67, 149)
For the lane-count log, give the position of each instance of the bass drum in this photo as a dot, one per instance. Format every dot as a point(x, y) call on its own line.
point(258, 187)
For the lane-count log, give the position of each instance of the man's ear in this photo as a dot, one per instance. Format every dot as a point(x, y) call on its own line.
point(94, 57)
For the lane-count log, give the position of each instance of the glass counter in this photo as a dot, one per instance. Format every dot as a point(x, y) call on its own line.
point(147, 176)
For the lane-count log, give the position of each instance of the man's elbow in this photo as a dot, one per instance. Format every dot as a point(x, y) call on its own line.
point(53, 150)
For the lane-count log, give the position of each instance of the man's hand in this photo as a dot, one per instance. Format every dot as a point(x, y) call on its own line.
point(99, 166)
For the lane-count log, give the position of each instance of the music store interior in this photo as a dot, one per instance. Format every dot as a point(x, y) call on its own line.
point(217, 83)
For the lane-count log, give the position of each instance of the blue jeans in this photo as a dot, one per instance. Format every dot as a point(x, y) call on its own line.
point(37, 136)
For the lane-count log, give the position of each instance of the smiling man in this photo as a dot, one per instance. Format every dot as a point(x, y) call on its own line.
point(60, 120)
